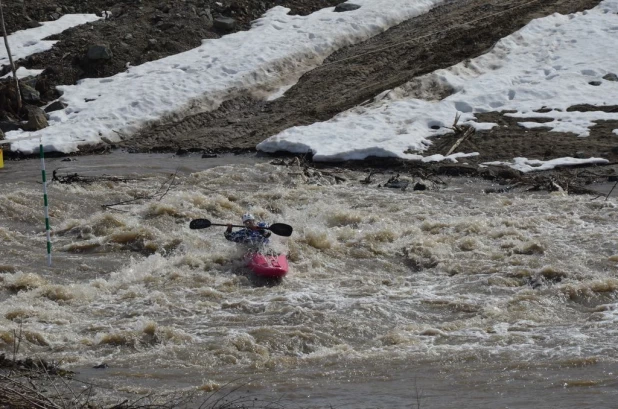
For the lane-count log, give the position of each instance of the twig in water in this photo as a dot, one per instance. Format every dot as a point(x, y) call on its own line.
point(419, 394)
point(17, 341)
point(169, 186)
point(157, 195)
point(606, 197)
point(610, 192)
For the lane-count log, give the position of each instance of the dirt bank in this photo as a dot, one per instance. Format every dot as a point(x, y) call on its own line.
point(447, 35)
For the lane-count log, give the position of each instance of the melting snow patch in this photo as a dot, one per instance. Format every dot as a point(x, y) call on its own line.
point(453, 157)
point(23, 73)
point(27, 42)
point(529, 165)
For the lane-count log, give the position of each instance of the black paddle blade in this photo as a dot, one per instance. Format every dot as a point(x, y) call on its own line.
point(281, 229)
point(199, 224)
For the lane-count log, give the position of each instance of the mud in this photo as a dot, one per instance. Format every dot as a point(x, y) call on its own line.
point(509, 140)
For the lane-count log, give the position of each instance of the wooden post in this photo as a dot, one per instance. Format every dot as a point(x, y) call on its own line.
point(8, 50)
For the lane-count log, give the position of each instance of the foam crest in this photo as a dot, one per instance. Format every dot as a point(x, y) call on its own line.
point(17, 205)
point(20, 281)
point(67, 293)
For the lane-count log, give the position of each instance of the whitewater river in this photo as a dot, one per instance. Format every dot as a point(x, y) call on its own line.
point(444, 298)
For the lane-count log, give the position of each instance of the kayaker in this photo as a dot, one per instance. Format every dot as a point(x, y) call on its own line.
point(253, 234)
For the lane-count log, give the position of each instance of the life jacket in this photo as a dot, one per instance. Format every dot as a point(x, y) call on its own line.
point(248, 236)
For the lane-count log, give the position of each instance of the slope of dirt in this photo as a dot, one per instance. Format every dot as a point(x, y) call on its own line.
point(447, 35)
point(509, 140)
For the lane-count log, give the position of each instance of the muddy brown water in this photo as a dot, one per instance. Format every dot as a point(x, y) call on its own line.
point(395, 299)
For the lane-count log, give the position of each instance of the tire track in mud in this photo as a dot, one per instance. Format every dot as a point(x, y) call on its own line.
point(447, 35)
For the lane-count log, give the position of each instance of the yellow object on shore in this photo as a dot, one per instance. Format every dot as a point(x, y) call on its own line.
point(1, 160)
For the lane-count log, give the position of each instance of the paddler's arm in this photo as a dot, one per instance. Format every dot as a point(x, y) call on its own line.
point(228, 233)
point(262, 230)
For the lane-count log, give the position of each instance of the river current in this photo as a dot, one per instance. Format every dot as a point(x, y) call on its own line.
point(442, 298)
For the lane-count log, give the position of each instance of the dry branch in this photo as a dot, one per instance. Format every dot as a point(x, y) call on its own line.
point(158, 195)
point(466, 134)
point(456, 127)
point(608, 195)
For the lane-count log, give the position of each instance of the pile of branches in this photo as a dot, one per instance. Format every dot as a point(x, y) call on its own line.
point(41, 390)
point(572, 183)
point(310, 172)
point(37, 384)
point(75, 178)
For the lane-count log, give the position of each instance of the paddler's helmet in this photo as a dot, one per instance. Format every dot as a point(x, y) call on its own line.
point(247, 216)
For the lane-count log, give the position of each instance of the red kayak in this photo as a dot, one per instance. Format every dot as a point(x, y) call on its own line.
point(267, 265)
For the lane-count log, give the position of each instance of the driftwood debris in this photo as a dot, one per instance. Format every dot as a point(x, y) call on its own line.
point(502, 189)
point(565, 183)
point(76, 178)
point(308, 171)
point(296, 161)
point(466, 130)
point(367, 179)
point(395, 183)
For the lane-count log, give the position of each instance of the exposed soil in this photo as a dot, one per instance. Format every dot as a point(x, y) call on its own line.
point(509, 140)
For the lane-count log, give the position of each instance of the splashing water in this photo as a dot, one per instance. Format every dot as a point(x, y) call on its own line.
point(383, 283)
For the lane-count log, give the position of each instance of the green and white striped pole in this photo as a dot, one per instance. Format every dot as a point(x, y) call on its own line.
point(42, 156)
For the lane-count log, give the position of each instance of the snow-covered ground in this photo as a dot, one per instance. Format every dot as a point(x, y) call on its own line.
point(549, 63)
point(27, 42)
point(23, 72)
point(554, 62)
point(278, 45)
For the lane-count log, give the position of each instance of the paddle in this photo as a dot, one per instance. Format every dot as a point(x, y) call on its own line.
point(279, 229)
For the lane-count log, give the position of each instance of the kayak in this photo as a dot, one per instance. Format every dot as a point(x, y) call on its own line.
point(267, 265)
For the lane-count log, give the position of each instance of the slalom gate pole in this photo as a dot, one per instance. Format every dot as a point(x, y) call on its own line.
point(42, 156)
